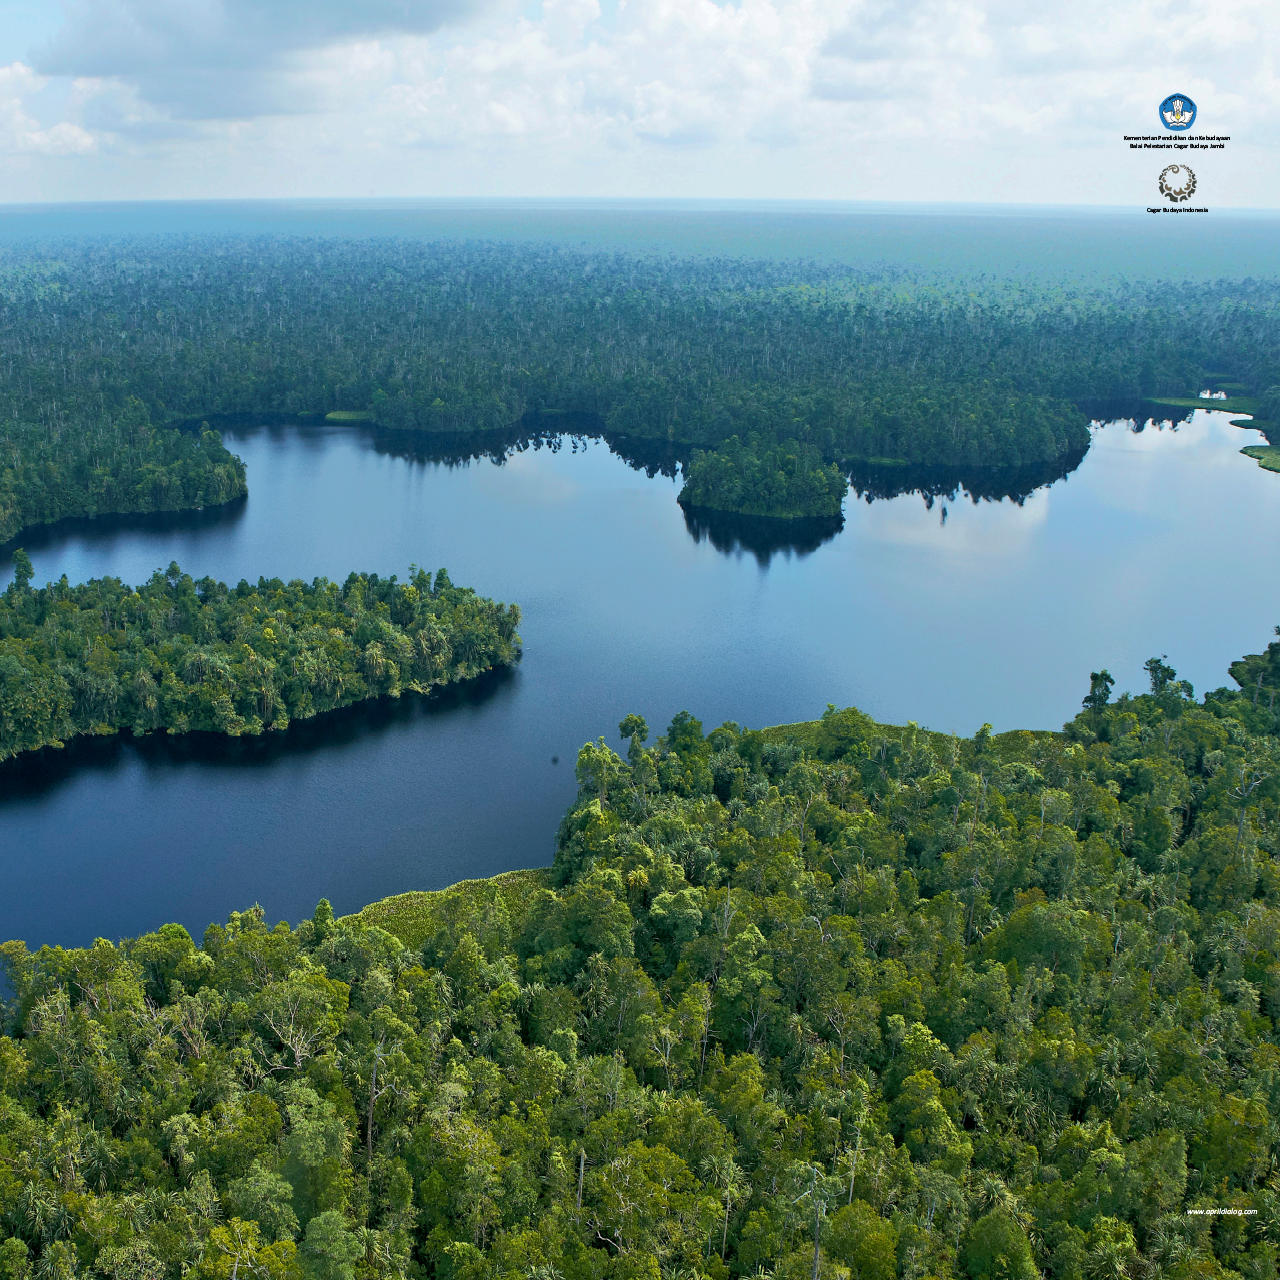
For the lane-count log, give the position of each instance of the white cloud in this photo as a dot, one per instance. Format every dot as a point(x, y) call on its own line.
point(857, 99)
point(21, 132)
point(221, 58)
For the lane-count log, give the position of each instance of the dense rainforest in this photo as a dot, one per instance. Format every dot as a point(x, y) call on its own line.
point(114, 463)
point(826, 361)
point(761, 478)
point(180, 655)
point(836, 1000)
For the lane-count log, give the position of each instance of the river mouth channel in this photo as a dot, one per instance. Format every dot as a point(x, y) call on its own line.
point(929, 606)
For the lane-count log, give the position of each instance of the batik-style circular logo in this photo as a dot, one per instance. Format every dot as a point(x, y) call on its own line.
point(1177, 182)
point(1177, 112)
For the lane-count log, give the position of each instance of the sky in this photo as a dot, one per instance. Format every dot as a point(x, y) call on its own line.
point(986, 101)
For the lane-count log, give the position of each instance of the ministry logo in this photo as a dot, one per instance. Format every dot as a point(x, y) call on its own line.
point(1177, 182)
point(1177, 112)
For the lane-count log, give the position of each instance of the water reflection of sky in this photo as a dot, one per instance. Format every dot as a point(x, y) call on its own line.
point(1159, 542)
point(1129, 470)
point(1146, 513)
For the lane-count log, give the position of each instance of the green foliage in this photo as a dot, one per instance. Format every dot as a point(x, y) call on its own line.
point(181, 655)
point(837, 998)
point(1267, 456)
point(997, 1248)
point(330, 1251)
point(264, 1197)
point(1100, 685)
point(111, 462)
point(1258, 674)
point(812, 366)
point(15, 1262)
point(762, 479)
point(229, 1250)
point(864, 1241)
point(416, 917)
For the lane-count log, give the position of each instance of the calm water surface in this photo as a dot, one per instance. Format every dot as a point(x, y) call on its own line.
point(949, 612)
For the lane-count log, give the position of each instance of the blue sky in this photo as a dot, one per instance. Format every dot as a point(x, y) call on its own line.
point(950, 100)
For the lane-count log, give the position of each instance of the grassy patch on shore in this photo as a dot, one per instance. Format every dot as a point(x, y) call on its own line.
point(1266, 456)
point(1233, 404)
point(813, 735)
point(359, 415)
point(414, 917)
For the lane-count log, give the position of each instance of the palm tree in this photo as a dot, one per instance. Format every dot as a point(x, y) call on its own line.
point(722, 1172)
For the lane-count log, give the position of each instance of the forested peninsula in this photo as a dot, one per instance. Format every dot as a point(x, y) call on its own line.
point(117, 463)
point(812, 368)
point(182, 655)
point(837, 999)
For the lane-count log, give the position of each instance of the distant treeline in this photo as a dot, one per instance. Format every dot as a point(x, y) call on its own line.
point(179, 655)
point(850, 365)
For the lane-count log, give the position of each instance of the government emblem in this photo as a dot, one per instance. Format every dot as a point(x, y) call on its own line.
point(1177, 182)
point(1177, 112)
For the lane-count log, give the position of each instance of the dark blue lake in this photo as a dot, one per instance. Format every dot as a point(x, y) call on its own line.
point(948, 611)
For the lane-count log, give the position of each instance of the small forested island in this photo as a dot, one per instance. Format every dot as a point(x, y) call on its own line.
point(835, 999)
point(779, 481)
point(184, 655)
point(826, 365)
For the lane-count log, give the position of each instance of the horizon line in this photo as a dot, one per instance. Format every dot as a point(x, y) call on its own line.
point(622, 203)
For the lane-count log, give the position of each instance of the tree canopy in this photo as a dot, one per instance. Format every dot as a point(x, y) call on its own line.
point(785, 481)
point(118, 464)
point(820, 364)
point(838, 998)
point(181, 655)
